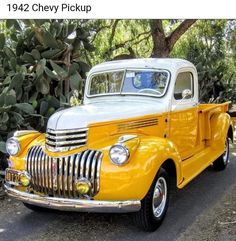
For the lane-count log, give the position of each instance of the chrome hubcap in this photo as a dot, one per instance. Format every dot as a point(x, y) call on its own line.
point(226, 153)
point(159, 197)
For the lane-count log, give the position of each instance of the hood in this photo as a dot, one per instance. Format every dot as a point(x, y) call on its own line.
point(82, 116)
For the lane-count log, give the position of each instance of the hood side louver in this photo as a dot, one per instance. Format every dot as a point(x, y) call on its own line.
point(137, 124)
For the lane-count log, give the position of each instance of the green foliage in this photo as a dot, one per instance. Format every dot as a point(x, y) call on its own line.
point(207, 47)
point(41, 64)
point(124, 38)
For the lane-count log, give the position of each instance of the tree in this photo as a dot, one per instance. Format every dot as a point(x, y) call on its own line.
point(122, 39)
point(208, 47)
point(162, 43)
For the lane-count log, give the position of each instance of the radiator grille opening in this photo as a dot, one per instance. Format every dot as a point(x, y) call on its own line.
point(56, 177)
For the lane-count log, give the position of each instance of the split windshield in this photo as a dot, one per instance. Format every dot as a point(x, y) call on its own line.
point(141, 82)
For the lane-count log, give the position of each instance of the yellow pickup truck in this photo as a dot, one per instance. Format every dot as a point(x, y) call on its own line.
point(140, 125)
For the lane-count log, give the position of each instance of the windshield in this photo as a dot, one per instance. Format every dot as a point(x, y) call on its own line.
point(143, 82)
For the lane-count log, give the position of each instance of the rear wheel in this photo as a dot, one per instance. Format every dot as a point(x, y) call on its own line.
point(221, 163)
point(154, 205)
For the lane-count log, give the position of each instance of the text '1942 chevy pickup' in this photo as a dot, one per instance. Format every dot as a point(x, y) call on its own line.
point(139, 126)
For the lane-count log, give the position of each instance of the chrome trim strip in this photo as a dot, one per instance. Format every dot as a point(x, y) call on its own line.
point(65, 137)
point(66, 131)
point(59, 143)
point(79, 205)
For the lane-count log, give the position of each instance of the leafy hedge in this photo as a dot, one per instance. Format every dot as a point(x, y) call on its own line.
point(41, 63)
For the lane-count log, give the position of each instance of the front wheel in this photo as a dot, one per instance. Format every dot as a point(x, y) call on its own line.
point(154, 205)
point(220, 163)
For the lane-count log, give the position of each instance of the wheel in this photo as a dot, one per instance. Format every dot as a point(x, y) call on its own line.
point(35, 208)
point(220, 163)
point(154, 205)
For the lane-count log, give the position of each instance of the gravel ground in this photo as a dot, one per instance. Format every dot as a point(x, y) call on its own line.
point(216, 224)
point(219, 222)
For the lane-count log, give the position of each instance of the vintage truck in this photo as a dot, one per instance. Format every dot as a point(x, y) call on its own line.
point(140, 126)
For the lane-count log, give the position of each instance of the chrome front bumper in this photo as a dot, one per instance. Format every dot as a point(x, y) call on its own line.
point(79, 205)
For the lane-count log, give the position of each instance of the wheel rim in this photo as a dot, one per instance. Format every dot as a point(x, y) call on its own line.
point(159, 197)
point(226, 152)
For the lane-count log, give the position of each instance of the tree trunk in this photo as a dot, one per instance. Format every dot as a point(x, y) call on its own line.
point(162, 44)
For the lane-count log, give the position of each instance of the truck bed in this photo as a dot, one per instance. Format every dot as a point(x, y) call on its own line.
point(206, 111)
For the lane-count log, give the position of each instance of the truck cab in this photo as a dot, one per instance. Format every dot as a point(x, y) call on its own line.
point(140, 125)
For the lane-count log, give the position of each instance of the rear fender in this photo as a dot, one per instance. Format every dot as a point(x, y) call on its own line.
point(220, 125)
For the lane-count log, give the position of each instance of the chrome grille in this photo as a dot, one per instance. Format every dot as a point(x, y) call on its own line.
point(64, 140)
point(57, 176)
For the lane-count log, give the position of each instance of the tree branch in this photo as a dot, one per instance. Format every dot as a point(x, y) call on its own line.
point(179, 31)
point(113, 31)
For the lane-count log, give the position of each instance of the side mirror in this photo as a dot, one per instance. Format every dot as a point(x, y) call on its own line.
point(186, 94)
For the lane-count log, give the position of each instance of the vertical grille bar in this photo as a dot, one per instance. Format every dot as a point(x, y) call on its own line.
point(82, 167)
point(59, 177)
point(76, 169)
point(93, 169)
point(71, 174)
point(65, 174)
point(44, 174)
point(88, 162)
point(34, 166)
point(41, 172)
point(68, 174)
point(49, 173)
point(98, 172)
point(54, 175)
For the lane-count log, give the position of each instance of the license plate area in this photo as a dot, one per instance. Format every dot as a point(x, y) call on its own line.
point(12, 177)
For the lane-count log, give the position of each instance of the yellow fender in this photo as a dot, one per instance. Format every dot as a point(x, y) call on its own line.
point(220, 126)
point(133, 180)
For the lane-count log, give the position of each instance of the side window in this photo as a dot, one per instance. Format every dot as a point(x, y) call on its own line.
point(183, 82)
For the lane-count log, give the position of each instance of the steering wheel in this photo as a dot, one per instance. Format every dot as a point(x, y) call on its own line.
point(148, 90)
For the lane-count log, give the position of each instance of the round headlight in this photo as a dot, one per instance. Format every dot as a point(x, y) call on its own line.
point(119, 154)
point(12, 146)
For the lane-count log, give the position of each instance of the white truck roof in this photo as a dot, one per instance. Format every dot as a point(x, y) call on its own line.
point(160, 63)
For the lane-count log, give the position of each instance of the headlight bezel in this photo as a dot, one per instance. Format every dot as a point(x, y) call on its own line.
point(126, 151)
point(17, 143)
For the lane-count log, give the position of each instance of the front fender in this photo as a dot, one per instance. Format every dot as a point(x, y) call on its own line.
point(133, 180)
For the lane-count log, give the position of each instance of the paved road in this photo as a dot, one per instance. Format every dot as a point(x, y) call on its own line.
point(19, 223)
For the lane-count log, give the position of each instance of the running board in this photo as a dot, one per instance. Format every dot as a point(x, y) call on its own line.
point(193, 166)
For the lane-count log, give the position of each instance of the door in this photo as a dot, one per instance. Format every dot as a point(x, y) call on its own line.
point(184, 114)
